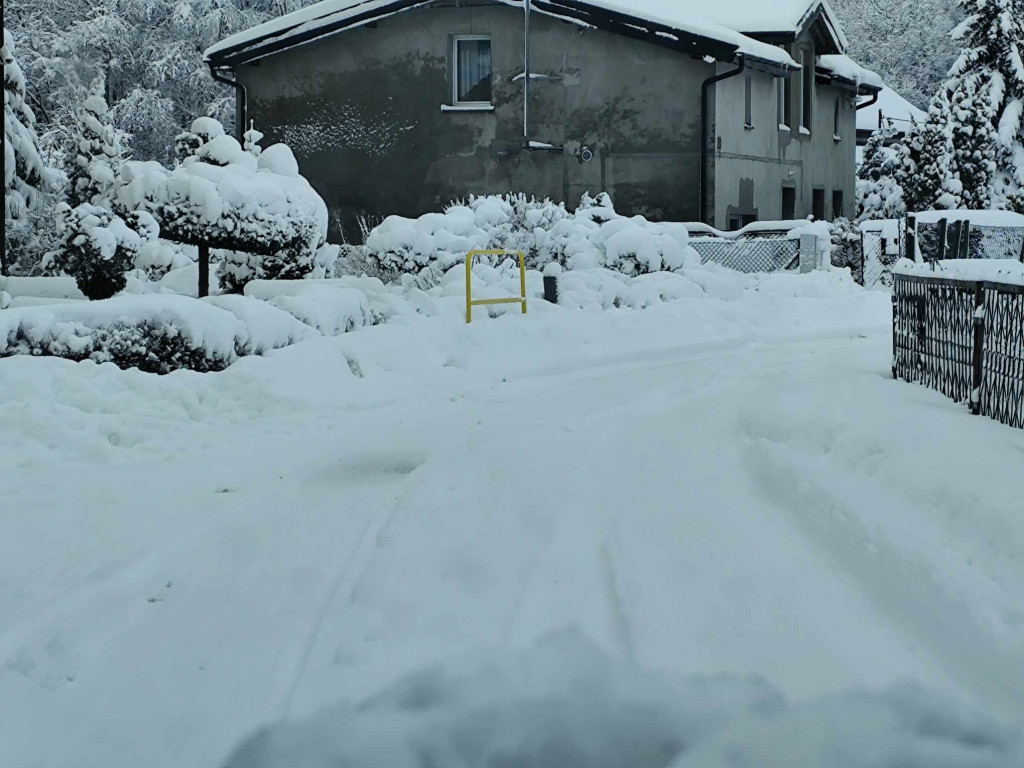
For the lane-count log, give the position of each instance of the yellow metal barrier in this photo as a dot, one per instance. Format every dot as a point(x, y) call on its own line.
point(469, 282)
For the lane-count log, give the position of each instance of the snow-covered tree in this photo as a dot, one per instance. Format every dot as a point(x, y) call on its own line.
point(25, 175)
point(974, 141)
point(98, 248)
point(907, 42)
point(97, 150)
point(879, 195)
point(926, 156)
point(987, 80)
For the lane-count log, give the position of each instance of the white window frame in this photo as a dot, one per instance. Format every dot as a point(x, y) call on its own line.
point(456, 39)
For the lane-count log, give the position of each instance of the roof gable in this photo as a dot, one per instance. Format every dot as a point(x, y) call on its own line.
point(668, 23)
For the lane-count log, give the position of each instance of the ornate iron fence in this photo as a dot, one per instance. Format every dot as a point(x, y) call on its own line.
point(964, 339)
point(755, 254)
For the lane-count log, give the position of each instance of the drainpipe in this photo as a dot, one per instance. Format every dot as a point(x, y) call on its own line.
point(869, 102)
point(244, 101)
point(529, 75)
point(704, 129)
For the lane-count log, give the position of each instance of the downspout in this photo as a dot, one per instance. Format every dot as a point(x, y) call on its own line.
point(243, 101)
point(529, 74)
point(704, 130)
point(868, 103)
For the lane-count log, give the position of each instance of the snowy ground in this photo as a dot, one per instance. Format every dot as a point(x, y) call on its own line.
point(701, 487)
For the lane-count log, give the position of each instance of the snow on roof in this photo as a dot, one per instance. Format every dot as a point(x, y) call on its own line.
point(686, 16)
point(678, 14)
point(764, 16)
point(891, 106)
point(843, 66)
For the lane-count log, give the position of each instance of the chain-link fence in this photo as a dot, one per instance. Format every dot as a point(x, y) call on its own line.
point(980, 242)
point(755, 254)
point(964, 339)
point(879, 257)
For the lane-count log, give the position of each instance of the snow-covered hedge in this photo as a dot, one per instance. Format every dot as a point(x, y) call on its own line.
point(594, 236)
point(156, 334)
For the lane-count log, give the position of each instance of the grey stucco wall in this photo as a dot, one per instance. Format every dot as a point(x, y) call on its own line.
point(362, 112)
point(766, 158)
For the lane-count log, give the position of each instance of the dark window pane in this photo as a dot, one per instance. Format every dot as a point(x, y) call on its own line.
point(747, 88)
point(473, 66)
point(837, 203)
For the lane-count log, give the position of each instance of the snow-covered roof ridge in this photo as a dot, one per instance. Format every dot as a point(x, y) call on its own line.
point(665, 17)
point(890, 106)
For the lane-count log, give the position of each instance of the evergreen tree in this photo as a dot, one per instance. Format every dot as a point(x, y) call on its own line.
point(924, 173)
point(974, 142)
point(988, 84)
point(879, 195)
point(97, 156)
point(26, 178)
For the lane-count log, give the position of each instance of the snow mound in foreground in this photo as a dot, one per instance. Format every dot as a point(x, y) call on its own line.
point(565, 705)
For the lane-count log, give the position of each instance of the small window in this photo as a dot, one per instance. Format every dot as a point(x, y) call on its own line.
point(788, 203)
point(735, 222)
point(472, 72)
point(747, 98)
point(818, 204)
point(837, 203)
point(786, 101)
point(835, 123)
point(807, 92)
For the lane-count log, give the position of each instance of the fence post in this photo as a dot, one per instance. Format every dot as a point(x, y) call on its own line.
point(978, 359)
point(943, 226)
point(808, 253)
point(911, 238)
point(963, 250)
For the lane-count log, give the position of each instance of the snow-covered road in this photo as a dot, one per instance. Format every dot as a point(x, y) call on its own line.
point(184, 559)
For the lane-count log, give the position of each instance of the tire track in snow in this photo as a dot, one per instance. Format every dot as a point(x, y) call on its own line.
point(902, 588)
point(344, 581)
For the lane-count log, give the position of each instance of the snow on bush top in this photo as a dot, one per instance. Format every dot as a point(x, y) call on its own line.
point(594, 236)
point(224, 197)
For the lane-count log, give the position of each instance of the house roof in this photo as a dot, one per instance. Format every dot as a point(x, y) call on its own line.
point(890, 106)
point(842, 67)
point(686, 25)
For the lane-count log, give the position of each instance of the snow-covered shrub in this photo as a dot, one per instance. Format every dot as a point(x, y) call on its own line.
point(594, 236)
point(847, 252)
point(158, 257)
point(224, 197)
point(96, 155)
point(156, 334)
point(202, 131)
point(97, 247)
point(153, 333)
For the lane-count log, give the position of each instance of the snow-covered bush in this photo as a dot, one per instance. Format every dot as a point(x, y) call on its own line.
point(97, 247)
point(158, 257)
point(594, 236)
point(847, 252)
point(155, 333)
point(96, 156)
point(223, 197)
point(925, 174)
point(202, 131)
